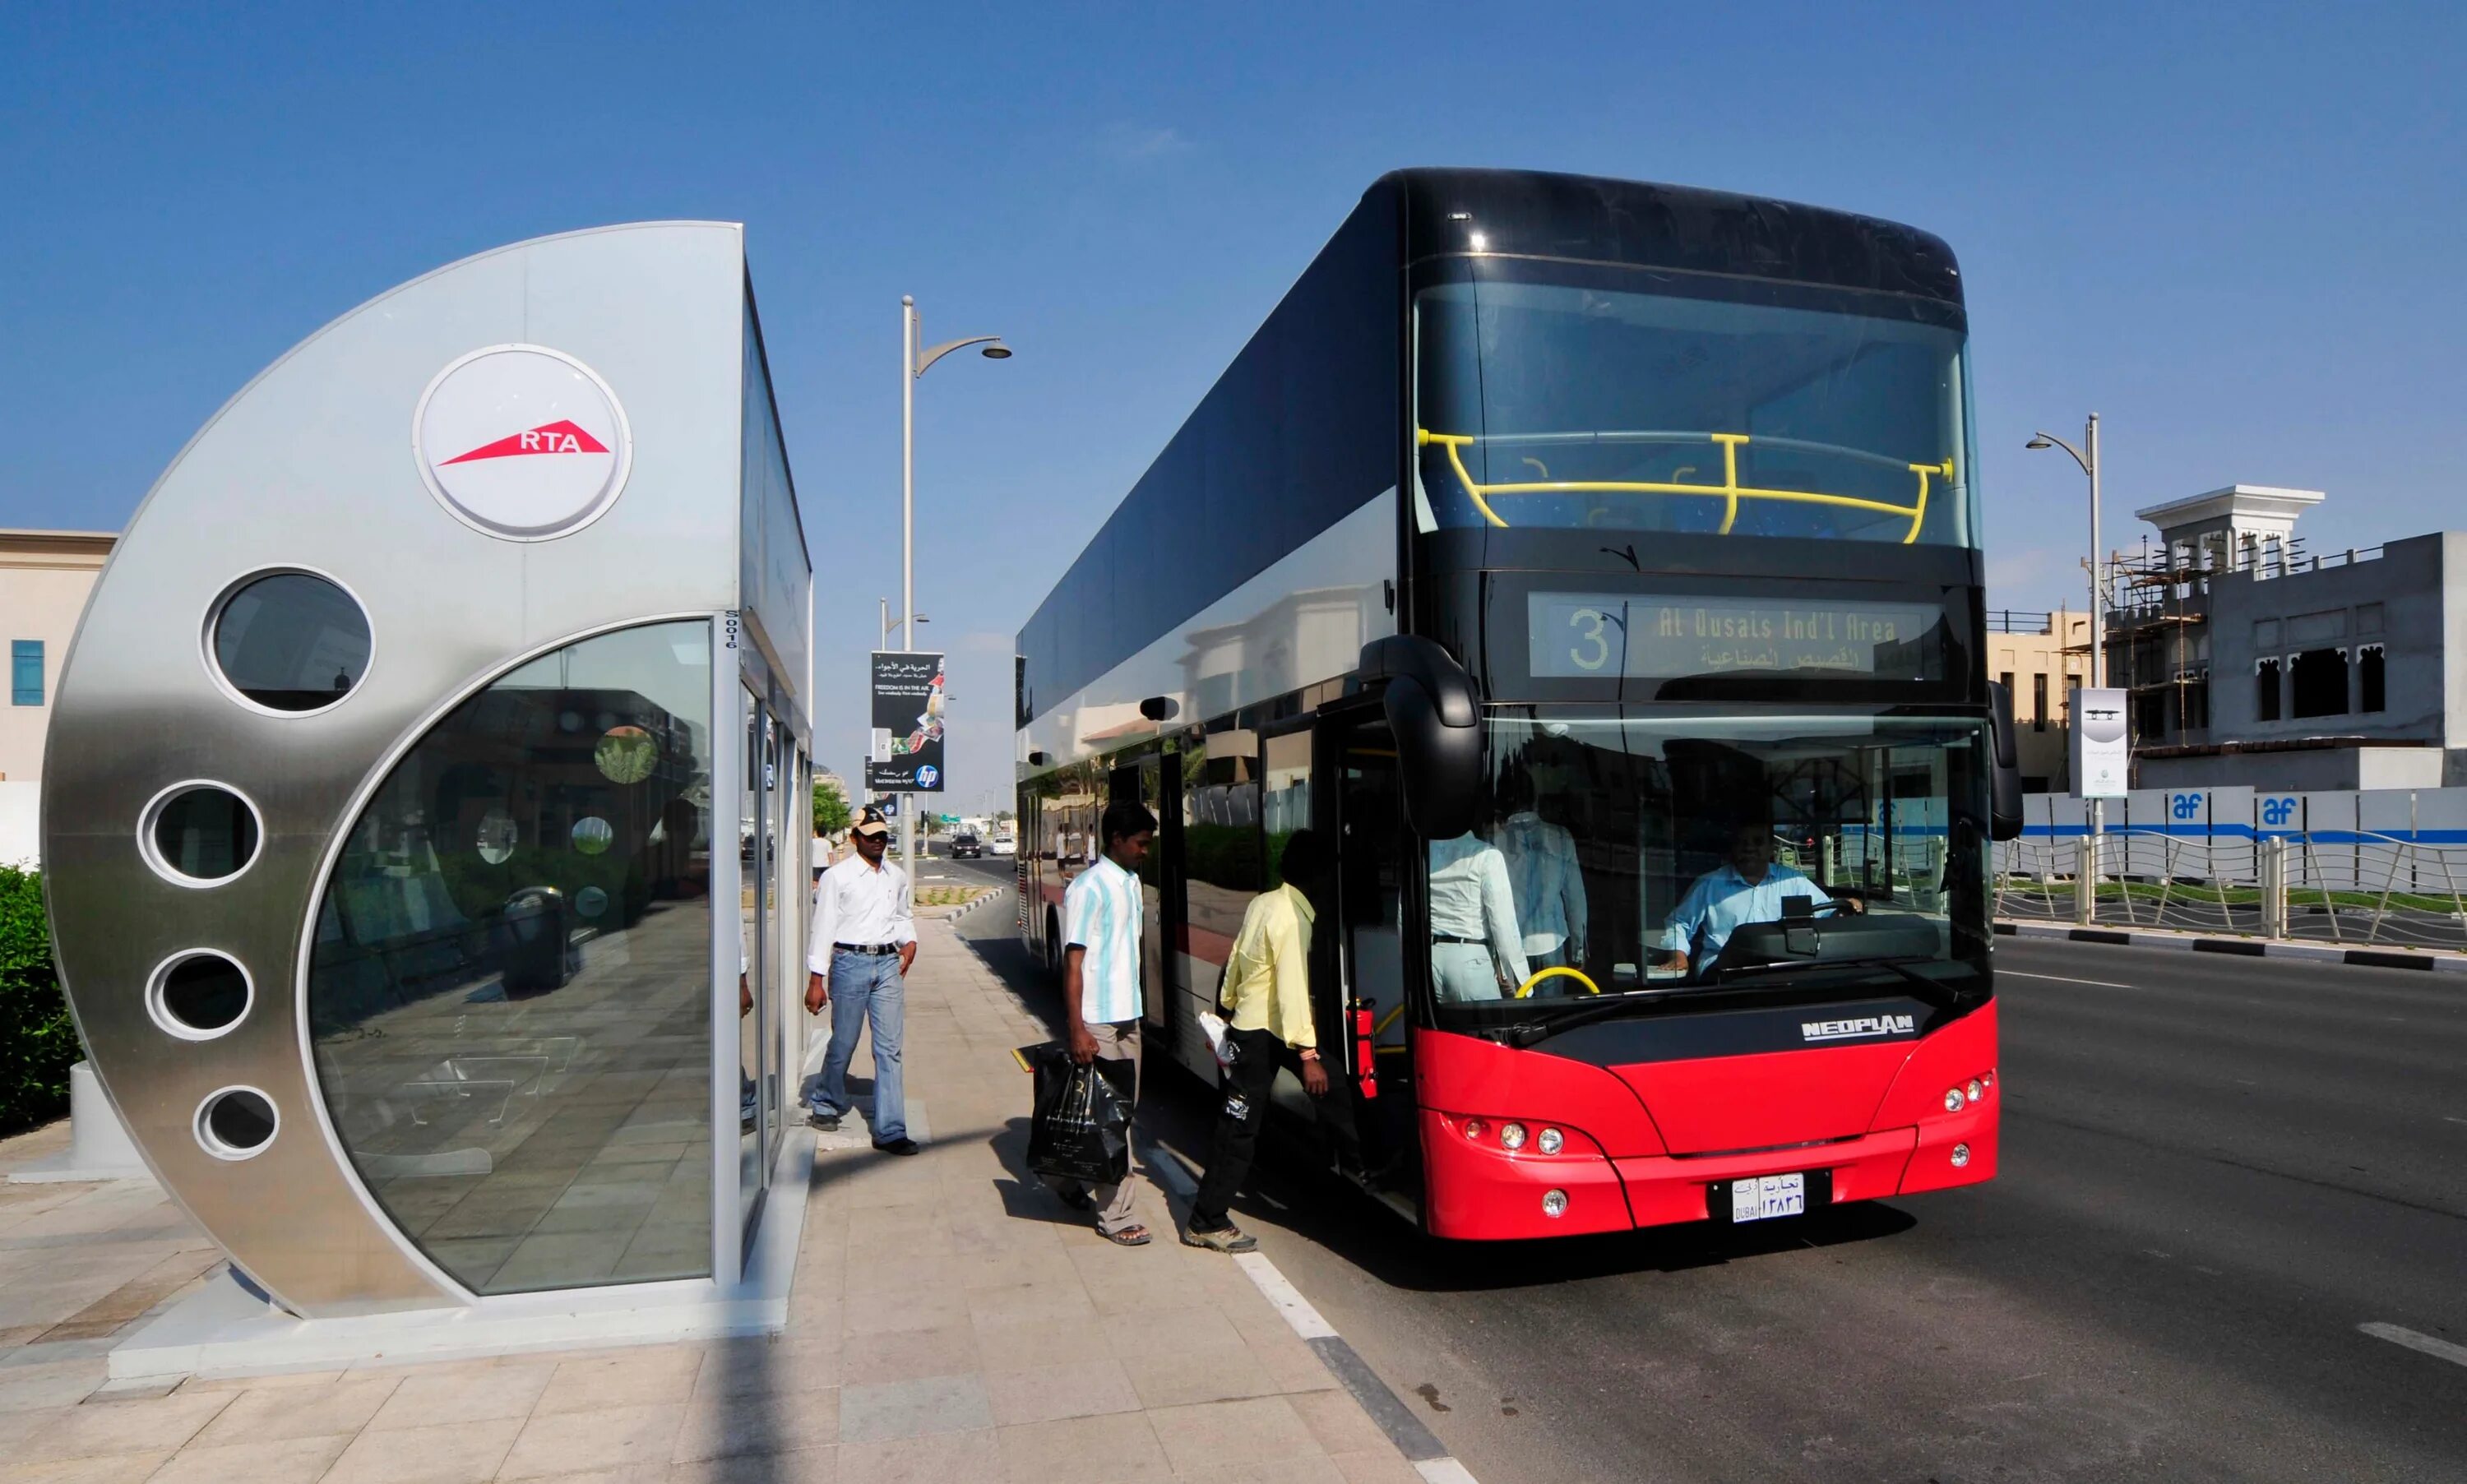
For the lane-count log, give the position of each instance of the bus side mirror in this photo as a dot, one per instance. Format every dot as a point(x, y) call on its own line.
point(1434, 714)
point(2004, 778)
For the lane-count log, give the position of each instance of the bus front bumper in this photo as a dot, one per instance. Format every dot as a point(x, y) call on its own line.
point(1479, 1192)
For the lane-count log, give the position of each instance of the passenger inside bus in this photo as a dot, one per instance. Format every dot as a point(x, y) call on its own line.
point(1543, 879)
point(1476, 950)
point(1746, 888)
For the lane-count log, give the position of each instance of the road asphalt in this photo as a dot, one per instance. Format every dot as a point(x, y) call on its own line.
point(2215, 1171)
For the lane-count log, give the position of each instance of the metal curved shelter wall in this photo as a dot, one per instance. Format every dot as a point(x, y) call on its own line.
point(312, 469)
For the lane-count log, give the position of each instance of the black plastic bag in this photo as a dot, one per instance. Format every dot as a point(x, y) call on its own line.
point(1081, 1130)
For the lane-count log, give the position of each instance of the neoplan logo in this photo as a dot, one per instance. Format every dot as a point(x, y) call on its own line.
point(1864, 1028)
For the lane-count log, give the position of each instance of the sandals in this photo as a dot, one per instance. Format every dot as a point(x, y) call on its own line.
point(1133, 1235)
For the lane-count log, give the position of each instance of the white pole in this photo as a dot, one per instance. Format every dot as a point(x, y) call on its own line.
point(2097, 644)
point(908, 543)
point(2097, 634)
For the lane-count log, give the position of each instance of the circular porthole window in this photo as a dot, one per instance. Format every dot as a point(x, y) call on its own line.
point(236, 1123)
point(198, 834)
point(289, 642)
point(198, 995)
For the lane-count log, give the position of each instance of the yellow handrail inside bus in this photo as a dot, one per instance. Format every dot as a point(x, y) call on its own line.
point(1524, 990)
point(1730, 491)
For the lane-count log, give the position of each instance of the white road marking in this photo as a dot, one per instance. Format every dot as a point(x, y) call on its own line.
point(2456, 1355)
point(2062, 979)
point(2446, 1118)
point(1305, 1321)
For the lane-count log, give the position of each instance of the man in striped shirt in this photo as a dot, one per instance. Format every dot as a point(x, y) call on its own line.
point(1102, 917)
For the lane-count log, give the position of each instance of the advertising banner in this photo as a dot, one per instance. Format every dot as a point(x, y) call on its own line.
point(907, 754)
point(2102, 745)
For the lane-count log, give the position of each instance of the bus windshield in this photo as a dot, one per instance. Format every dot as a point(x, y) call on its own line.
point(1555, 406)
point(1635, 852)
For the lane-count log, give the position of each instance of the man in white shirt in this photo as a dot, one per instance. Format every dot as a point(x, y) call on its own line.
point(1476, 950)
point(1103, 918)
point(862, 940)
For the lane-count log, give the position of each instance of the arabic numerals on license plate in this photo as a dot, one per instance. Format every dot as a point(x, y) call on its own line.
point(1758, 1197)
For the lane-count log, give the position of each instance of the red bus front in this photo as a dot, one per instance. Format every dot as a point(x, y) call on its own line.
point(1693, 968)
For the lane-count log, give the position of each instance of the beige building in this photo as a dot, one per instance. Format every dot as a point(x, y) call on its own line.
point(44, 578)
point(2042, 657)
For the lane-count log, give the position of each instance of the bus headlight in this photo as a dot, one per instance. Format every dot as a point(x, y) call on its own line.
point(1973, 1090)
point(1511, 1136)
point(1554, 1203)
point(1474, 1128)
point(1550, 1142)
point(1960, 1156)
point(1952, 1100)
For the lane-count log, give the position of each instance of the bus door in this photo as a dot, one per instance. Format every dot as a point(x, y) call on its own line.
point(1363, 963)
point(1153, 782)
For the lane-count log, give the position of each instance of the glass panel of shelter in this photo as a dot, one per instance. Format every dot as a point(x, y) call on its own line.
point(754, 963)
point(509, 995)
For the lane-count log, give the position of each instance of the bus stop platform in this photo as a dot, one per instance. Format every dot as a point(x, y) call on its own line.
point(950, 1319)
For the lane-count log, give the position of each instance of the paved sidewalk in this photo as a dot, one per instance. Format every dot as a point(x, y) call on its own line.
point(951, 1321)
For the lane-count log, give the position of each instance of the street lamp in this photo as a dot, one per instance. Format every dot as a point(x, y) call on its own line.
point(914, 363)
point(2087, 456)
point(912, 618)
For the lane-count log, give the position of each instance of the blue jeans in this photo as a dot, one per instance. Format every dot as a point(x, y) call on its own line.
point(867, 988)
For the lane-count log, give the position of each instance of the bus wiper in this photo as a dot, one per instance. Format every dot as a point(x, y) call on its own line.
point(1526, 1033)
point(1927, 991)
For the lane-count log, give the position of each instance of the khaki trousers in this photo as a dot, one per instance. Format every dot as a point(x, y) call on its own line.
point(1117, 1042)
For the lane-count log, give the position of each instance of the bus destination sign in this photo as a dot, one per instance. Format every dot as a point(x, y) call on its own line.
point(1578, 635)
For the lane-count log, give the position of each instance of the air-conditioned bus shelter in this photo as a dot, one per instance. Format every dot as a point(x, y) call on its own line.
point(427, 821)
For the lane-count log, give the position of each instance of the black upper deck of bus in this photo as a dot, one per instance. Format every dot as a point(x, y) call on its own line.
point(1585, 219)
point(1308, 421)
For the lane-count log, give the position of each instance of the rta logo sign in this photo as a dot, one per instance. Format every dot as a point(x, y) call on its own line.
point(2278, 813)
point(2185, 806)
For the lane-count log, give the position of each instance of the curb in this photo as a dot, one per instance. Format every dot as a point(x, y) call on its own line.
point(1405, 1431)
point(2429, 959)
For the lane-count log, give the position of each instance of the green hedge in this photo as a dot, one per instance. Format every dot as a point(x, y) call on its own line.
point(37, 1043)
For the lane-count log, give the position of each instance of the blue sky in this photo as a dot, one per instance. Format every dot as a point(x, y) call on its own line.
point(2234, 232)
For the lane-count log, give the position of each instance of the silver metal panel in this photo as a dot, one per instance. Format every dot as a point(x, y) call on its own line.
point(311, 466)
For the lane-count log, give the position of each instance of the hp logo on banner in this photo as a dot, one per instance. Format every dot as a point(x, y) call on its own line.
point(928, 776)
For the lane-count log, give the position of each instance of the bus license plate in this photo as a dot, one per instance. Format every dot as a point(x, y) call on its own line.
point(1763, 1196)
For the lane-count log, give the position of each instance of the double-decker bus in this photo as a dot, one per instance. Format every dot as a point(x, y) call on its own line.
point(1595, 565)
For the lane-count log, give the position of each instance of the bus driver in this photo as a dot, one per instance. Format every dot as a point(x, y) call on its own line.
point(1746, 888)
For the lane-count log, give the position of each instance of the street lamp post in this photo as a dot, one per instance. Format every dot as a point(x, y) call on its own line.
point(2087, 456)
point(886, 621)
point(914, 363)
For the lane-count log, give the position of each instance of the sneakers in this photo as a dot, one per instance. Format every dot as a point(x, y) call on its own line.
point(902, 1145)
point(1228, 1238)
point(827, 1122)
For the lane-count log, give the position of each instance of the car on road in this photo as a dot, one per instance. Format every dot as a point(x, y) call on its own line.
point(1005, 844)
point(967, 845)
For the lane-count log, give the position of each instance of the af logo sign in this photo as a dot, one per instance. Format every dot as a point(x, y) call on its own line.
point(522, 442)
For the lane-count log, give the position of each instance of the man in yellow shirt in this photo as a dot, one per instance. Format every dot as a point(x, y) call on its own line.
point(1267, 1005)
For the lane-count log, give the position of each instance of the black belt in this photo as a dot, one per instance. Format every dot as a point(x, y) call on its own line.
point(1442, 938)
point(867, 949)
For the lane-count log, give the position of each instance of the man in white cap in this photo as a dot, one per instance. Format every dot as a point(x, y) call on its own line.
point(864, 939)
